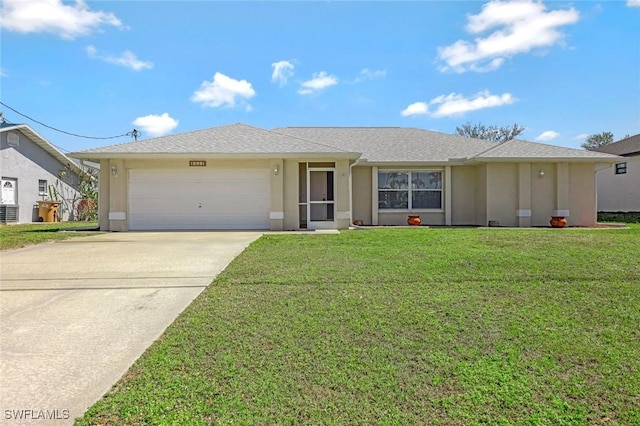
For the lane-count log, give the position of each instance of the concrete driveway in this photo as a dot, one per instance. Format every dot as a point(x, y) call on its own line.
point(75, 314)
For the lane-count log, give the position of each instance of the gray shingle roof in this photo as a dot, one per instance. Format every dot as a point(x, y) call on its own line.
point(627, 147)
point(533, 150)
point(376, 144)
point(231, 139)
point(393, 144)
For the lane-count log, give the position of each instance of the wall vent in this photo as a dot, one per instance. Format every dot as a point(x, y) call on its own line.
point(8, 214)
point(13, 139)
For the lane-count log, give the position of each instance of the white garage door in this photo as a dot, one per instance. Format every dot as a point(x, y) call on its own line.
point(199, 199)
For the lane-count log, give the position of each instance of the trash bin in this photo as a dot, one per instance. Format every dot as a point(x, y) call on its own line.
point(48, 211)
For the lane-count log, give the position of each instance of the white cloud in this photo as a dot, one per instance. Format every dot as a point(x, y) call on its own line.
point(53, 16)
point(282, 70)
point(416, 108)
point(547, 135)
point(367, 74)
point(519, 27)
point(581, 136)
point(156, 125)
point(320, 80)
point(3, 72)
point(455, 104)
point(222, 91)
point(127, 59)
point(633, 3)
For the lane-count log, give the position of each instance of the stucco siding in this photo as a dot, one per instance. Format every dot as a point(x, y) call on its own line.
point(543, 193)
point(291, 195)
point(620, 193)
point(29, 163)
point(502, 193)
point(343, 204)
point(362, 194)
point(463, 200)
point(481, 195)
point(582, 198)
point(104, 195)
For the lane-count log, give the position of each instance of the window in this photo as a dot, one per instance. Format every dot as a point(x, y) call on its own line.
point(42, 187)
point(621, 168)
point(409, 190)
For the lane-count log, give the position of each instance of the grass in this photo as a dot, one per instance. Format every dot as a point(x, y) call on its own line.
point(402, 326)
point(16, 236)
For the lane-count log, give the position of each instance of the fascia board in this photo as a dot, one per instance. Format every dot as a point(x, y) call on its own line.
point(222, 156)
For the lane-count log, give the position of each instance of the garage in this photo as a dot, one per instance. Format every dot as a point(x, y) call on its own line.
point(199, 198)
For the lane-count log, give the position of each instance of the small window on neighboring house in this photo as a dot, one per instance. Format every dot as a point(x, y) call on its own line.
point(621, 168)
point(42, 187)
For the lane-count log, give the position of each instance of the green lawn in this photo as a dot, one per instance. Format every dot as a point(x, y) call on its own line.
point(403, 326)
point(16, 236)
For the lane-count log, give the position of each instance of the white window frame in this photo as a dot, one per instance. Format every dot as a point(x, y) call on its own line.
point(46, 185)
point(621, 168)
point(410, 190)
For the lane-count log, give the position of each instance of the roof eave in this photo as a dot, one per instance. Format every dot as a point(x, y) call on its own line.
point(607, 159)
point(97, 156)
point(35, 137)
point(407, 163)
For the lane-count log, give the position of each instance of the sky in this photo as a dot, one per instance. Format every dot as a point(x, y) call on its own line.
point(563, 70)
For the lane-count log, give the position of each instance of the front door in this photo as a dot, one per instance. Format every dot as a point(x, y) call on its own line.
point(9, 193)
point(321, 198)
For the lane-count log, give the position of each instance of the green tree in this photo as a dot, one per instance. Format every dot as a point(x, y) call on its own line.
point(597, 140)
point(489, 133)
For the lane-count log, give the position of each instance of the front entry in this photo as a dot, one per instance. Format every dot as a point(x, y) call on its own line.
point(317, 195)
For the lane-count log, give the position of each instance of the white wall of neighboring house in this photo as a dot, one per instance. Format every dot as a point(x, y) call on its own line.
point(620, 192)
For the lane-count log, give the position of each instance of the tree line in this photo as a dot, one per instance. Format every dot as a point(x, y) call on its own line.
point(507, 133)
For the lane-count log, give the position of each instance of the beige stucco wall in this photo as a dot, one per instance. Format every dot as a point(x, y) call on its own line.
point(361, 180)
point(582, 198)
point(543, 193)
point(463, 199)
point(290, 193)
point(528, 194)
point(343, 212)
point(481, 195)
point(104, 195)
point(502, 193)
point(619, 193)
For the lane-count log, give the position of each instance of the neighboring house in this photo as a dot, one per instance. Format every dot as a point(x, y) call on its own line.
point(619, 184)
point(32, 170)
point(243, 177)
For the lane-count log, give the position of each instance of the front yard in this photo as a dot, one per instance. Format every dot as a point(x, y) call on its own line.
point(402, 326)
point(16, 236)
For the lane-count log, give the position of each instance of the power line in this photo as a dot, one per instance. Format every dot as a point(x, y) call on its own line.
point(135, 133)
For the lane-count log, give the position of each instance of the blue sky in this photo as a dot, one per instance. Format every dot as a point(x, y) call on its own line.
point(563, 70)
